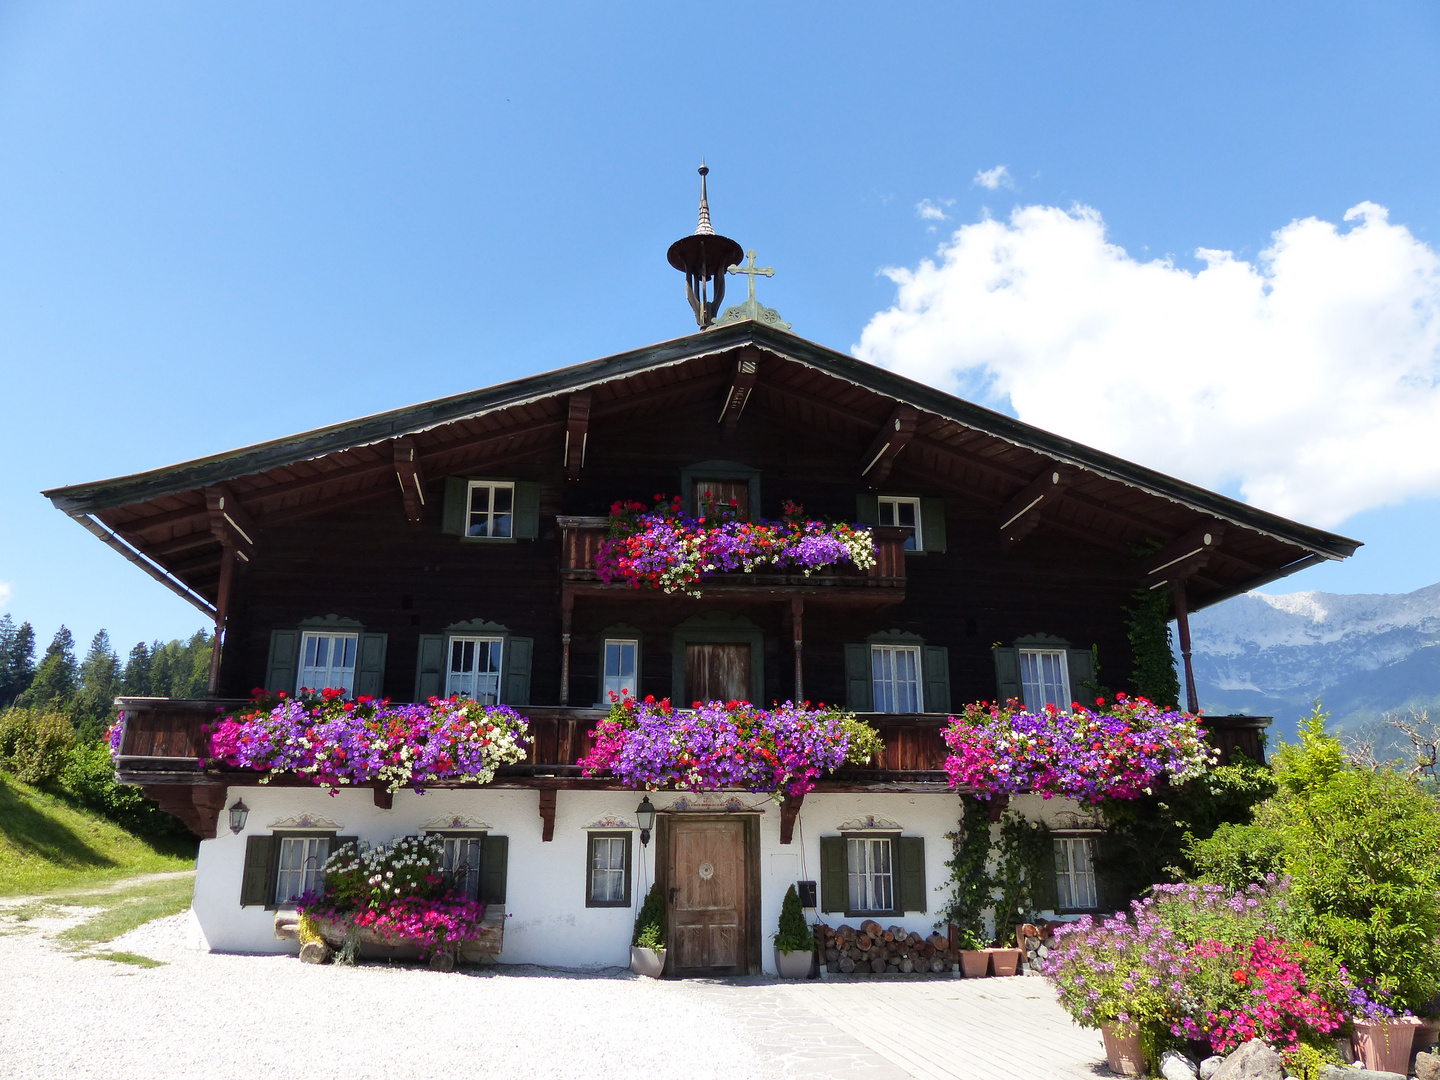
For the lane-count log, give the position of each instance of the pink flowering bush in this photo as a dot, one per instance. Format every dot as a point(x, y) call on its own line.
point(661, 548)
point(398, 892)
point(718, 745)
point(1120, 752)
point(334, 742)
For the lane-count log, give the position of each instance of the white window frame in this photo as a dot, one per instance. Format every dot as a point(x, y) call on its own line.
point(454, 679)
point(894, 501)
point(488, 488)
point(617, 877)
point(308, 873)
point(1075, 887)
point(1034, 684)
point(606, 678)
point(341, 677)
point(870, 884)
point(885, 686)
point(456, 846)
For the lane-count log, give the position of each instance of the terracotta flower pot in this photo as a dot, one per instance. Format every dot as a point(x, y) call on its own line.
point(975, 963)
point(1384, 1045)
point(794, 964)
point(1122, 1048)
point(1005, 961)
point(647, 962)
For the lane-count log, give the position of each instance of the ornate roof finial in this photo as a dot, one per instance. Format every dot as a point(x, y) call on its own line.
point(703, 257)
point(752, 308)
point(704, 228)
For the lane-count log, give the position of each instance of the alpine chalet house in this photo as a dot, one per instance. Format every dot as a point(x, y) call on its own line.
point(450, 548)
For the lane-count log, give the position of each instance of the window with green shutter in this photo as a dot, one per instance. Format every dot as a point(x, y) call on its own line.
point(866, 875)
point(486, 510)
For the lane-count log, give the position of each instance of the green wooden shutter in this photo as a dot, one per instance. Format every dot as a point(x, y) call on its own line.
point(935, 659)
point(1047, 892)
point(257, 887)
point(517, 670)
point(1081, 663)
point(834, 883)
point(867, 509)
point(457, 505)
point(629, 871)
point(1007, 674)
point(910, 862)
point(370, 666)
point(430, 667)
point(284, 654)
point(494, 854)
point(932, 524)
point(527, 510)
point(858, 696)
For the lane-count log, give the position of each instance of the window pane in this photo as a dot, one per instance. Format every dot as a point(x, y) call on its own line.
point(1064, 890)
point(1044, 679)
point(895, 678)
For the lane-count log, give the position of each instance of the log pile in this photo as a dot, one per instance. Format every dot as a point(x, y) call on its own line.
point(875, 949)
point(1037, 939)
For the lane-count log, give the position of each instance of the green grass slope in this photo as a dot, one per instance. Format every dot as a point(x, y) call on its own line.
point(46, 844)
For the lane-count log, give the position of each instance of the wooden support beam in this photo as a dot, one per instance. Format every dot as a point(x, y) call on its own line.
point(230, 522)
point(412, 479)
point(577, 433)
point(222, 613)
point(1020, 516)
point(567, 618)
point(1182, 557)
point(547, 814)
point(797, 625)
point(1182, 620)
point(893, 436)
point(747, 374)
point(789, 811)
point(384, 798)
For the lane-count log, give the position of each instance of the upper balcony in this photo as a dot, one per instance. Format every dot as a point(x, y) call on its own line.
point(883, 583)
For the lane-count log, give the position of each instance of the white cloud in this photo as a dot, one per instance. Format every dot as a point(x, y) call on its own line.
point(994, 179)
point(1309, 378)
point(933, 209)
point(6, 591)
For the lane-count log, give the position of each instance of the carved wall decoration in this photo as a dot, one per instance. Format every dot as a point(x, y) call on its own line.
point(869, 823)
point(306, 821)
point(456, 822)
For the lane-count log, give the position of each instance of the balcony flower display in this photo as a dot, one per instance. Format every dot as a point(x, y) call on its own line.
point(662, 548)
point(394, 894)
point(1119, 752)
point(335, 743)
point(725, 744)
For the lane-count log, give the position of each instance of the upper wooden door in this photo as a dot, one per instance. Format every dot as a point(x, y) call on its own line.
point(717, 673)
point(708, 916)
point(723, 498)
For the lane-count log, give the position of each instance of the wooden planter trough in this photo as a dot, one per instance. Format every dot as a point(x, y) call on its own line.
point(482, 950)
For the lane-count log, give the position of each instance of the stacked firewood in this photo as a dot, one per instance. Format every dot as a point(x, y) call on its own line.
point(878, 949)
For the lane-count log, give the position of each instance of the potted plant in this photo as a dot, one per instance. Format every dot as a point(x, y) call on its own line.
point(1005, 961)
point(974, 959)
point(647, 946)
point(794, 941)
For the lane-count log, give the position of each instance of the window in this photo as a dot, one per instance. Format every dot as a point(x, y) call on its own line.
point(327, 660)
point(608, 870)
point(300, 867)
point(726, 499)
point(895, 678)
point(491, 512)
point(618, 678)
point(903, 514)
point(1075, 873)
point(1044, 679)
point(870, 874)
point(461, 868)
point(475, 668)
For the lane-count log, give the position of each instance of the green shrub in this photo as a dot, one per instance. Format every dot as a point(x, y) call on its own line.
point(88, 779)
point(1238, 855)
point(34, 744)
point(650, 923)
point(795, 934)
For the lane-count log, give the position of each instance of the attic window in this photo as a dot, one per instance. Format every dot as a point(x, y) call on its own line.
point(903, 513)
point(491, 510)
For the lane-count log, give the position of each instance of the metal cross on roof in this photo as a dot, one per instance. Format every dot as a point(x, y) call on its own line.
point(751, 308)
point(750, 270)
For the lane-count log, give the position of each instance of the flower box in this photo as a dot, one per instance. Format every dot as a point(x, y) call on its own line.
point(483, 949)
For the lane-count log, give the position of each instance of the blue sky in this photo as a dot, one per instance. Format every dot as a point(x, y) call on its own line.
point(222, 223)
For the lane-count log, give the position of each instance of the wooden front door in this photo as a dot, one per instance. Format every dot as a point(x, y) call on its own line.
point(717, 673)
point(708, 916)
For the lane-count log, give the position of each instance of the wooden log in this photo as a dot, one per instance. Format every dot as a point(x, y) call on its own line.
point(892, 968)
point(864, 941)
point(314, 952)
point(831, 956)
point(846, 965)
point(877, 966)
point(938, 966)
point(907, 965)
point(871, 927)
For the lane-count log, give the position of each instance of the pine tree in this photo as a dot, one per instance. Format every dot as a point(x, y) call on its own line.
point(162, 668)
point(8, 630)
point(99, 679)
point(55, 681)
point(17, 665)
point(136, 680)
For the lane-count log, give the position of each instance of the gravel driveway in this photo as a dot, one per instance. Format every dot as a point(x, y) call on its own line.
point(262, 1017)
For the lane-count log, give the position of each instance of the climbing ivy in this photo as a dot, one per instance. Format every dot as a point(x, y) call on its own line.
point(1018, 869)
point(1147, 622)
point(969, 852)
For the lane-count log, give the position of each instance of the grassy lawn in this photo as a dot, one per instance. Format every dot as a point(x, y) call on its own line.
point(116, 911)
point(47, 845)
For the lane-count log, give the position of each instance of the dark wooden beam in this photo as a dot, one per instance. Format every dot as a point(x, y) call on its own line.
point(156, 521)
point(1183, 556)
point(412, 479)
point(577, 433)
point(547, 814)
point(306, 483)
point(230, 523)
point(893, 436)
point(481, 445)
point(1020, 516)
point(742, 382)
point(697, 390)
point(789, 811)
point(1182, 620)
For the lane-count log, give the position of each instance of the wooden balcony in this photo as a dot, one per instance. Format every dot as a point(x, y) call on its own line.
point(882, 583)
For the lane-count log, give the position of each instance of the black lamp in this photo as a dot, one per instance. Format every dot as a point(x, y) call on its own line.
point(238, 813)
point(645, 815)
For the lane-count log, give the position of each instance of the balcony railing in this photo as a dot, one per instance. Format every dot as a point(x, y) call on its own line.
point(583, 536)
